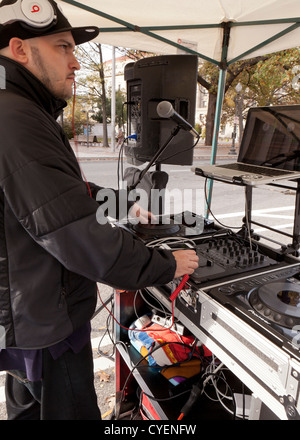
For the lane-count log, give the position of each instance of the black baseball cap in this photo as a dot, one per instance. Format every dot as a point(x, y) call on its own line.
point(24, 31)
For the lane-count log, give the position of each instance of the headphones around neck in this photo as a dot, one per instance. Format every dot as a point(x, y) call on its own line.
point(38, 14)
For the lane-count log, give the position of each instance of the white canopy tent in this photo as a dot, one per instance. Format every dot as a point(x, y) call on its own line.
point(256, 27)
point(219, 31)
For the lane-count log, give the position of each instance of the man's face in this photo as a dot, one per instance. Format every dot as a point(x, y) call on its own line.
point(53, 62)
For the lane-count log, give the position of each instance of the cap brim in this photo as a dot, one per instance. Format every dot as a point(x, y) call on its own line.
point(80, 34)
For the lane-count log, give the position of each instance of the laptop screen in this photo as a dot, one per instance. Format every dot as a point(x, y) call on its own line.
point(272, 137)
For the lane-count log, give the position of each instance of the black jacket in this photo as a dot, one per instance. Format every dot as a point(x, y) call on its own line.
point(52, 249)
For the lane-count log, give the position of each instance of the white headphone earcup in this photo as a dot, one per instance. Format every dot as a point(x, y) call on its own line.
point(38, 13)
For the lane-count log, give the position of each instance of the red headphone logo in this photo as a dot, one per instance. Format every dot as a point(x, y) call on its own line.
point(35, 8)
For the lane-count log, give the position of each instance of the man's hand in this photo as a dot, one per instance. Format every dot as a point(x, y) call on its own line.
point(187, 261)
point(142, 216)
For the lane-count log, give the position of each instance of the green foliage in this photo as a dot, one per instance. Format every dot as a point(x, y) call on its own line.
point(265, 80)
point(79, 121)
point(271, 81)
point(121, 113)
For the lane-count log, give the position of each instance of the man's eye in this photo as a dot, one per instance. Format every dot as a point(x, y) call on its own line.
point(64, 47)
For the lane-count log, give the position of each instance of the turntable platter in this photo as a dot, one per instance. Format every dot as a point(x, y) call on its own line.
point(159, 230)
point(279, 302)
point(279, 296)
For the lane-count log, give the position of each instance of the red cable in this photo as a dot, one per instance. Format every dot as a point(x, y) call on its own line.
point(173, 296)
point(179, 288)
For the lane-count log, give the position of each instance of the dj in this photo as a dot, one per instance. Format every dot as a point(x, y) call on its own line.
point(52, 250)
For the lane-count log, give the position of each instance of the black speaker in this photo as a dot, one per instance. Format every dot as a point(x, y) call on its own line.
point(149, 81)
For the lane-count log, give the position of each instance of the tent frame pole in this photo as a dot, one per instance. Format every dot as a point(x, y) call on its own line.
point(219, 104)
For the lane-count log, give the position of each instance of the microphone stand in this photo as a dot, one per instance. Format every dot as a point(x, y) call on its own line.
point(155, 157)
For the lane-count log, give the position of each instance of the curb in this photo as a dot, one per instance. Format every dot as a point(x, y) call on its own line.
point(98, 158)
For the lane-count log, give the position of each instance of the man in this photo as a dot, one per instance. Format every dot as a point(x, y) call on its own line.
point(52, 250)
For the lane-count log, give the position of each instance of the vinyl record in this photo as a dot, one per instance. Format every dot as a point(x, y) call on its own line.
point(157, 229)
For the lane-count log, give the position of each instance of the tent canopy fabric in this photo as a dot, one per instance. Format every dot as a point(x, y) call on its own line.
point(197, 26)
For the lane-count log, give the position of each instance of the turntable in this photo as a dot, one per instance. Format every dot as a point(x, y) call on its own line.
point(269, 301)
point(185, 224)
point(157, 230)
point(279, 302)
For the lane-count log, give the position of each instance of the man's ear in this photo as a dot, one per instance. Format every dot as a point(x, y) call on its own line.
point(19, 50)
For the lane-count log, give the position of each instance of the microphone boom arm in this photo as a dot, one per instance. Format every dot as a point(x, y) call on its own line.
point(156, 156)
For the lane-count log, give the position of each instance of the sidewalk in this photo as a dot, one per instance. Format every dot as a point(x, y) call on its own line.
point(94, 152)
point(98, 152)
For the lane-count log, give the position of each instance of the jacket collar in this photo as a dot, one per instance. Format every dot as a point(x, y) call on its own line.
point(21, 81)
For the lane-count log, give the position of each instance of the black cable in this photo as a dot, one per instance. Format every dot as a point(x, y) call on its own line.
point(209, 209)
point(107, 331)
point(120, 164)
point(178, 152)
point(148, 366)
point(198, 390)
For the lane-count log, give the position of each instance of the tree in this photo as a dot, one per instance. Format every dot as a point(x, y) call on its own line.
point(120, 109)
point(91, 59)
point(271, 82)
point(208, 77)
point(72, 124)
point(266, 80)
point(135, 55)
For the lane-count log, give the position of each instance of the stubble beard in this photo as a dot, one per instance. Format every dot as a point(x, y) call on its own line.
point(43, 75)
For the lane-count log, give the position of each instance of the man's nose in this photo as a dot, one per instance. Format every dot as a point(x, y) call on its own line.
point(74, 64)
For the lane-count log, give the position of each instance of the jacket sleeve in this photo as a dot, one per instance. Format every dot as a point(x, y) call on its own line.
point(122, 202)
point(43, 188)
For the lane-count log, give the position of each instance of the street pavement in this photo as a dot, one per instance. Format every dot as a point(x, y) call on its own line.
point(96, 151)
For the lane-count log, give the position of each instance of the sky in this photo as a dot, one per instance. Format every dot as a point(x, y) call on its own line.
point(107, 52)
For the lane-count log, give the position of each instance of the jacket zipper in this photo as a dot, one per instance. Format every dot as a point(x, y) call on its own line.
point(63, 293)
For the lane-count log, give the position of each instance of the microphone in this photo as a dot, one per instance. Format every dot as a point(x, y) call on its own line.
point(166, 110)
